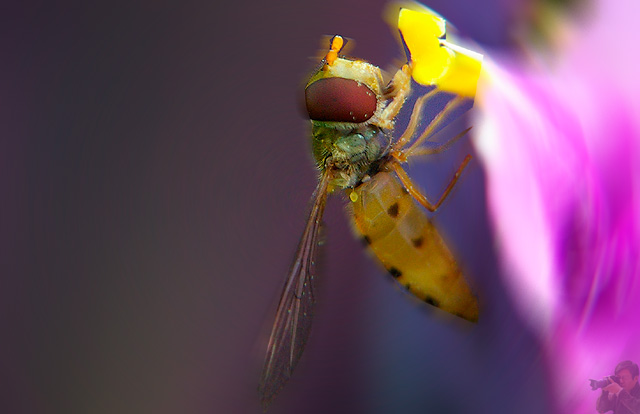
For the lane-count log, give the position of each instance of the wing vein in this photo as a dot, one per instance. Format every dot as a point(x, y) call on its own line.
point(292, 324)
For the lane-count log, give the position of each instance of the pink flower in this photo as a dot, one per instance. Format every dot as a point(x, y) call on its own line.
point(561, 147)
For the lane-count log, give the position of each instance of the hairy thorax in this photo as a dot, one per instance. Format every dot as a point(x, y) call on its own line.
point(354, 153)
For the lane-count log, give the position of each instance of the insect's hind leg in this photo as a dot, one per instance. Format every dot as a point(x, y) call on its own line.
point(417, 194)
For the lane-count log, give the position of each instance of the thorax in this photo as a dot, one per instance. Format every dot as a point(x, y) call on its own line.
point(356, 151)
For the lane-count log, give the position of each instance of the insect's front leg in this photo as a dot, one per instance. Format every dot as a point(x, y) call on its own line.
point(401, 84)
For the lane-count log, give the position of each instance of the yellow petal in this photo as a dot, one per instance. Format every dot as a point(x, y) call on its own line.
point(421, 33)
point(462, 76)
point(434, 61)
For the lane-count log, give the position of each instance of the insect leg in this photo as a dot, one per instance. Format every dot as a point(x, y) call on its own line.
point(438, 148)
point(413, 121)
point(449, 107)
point(417, 194)
point(401, 88)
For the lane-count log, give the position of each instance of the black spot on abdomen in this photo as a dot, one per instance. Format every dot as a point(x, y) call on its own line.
point(393, 210)
point(431, 301)
point(395, 272)
point(417, 243)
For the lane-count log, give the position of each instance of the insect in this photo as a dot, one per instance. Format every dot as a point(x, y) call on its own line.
point(357, 149)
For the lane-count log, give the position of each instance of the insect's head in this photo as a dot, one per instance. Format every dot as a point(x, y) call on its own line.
point(344, 90)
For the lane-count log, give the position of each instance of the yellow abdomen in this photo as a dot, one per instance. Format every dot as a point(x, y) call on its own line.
point(399, 233)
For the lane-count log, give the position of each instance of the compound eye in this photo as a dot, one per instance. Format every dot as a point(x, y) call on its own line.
point(340, 100)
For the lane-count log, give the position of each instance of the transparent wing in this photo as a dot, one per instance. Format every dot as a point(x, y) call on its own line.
point(295, 309)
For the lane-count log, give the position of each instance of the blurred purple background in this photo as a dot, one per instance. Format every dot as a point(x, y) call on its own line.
point(155, 174)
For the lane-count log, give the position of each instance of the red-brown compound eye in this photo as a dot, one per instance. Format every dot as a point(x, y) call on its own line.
point(340, 100)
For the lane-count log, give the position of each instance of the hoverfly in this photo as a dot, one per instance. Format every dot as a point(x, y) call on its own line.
point(356, 149)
